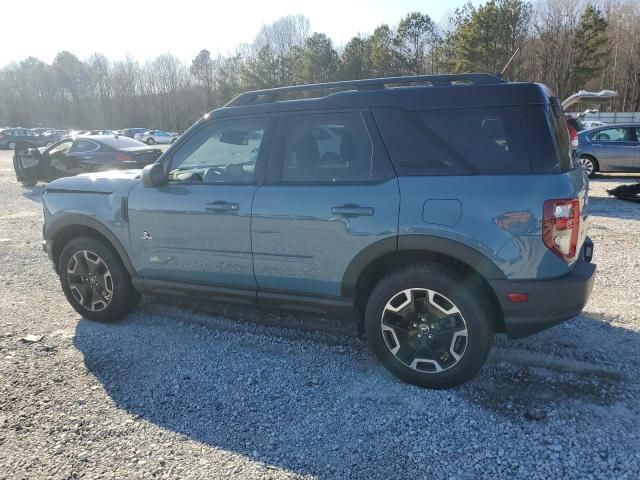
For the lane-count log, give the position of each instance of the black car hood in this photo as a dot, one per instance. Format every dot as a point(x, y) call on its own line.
point(100, 182)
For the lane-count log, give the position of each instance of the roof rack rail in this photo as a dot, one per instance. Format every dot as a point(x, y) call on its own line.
point(273, 94)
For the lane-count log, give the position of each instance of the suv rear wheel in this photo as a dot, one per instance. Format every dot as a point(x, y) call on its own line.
point(427, 327)
point(94, 280)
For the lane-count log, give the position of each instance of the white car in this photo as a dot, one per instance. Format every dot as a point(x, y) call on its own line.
point(156, 136)
point(592, 123)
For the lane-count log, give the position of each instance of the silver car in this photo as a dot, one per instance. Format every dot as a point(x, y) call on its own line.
point(612, 148)
point(156, 136)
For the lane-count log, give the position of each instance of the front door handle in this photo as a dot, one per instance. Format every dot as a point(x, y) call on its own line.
point(351, 210)
point(222, 206)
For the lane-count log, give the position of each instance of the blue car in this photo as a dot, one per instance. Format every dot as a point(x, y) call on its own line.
point(611, 148)
point(434, 214)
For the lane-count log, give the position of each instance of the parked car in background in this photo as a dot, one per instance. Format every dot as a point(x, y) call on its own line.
point(77, 133)
point(592, 124)
point(132, 132)
point(156, 136)
point(9, 137)
point(52, 136)
point(574, 126)
point(371, 204)
point(81, 154)
point(612, 148)
point(40, 130)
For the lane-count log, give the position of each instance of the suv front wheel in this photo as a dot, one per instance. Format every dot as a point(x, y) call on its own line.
point(427, 327)
point(94, 280)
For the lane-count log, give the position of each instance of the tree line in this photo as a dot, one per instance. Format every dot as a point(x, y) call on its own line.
point(566, 44)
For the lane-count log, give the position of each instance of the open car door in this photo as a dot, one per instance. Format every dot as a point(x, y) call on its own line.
point(27, 164)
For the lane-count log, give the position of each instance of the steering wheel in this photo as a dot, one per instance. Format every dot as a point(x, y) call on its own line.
point(213, 174)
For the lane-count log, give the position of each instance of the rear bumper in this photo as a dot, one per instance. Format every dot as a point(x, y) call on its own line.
point(550, 301)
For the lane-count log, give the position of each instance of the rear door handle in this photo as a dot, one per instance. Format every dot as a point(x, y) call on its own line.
point(351, 210)
point(222, 206)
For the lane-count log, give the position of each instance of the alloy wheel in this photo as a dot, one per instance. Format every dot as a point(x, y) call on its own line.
point(587, 164)
point(90, 280)
point(424, 330)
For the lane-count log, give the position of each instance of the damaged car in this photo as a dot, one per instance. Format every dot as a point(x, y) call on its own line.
point(81, 154)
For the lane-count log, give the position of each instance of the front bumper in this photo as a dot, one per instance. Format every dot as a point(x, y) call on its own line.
point(550, 301)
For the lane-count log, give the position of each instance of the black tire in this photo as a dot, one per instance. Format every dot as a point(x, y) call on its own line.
point(28, 183)
point(593, 161)
point(150, 141)
point(124, 297)
point(451, 286)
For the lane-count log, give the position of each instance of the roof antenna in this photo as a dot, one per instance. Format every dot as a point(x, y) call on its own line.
point(501, 74)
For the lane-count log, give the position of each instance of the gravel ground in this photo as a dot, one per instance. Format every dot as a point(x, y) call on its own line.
point(205, 391)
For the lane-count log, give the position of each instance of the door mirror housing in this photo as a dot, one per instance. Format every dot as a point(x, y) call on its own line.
point(153, 176)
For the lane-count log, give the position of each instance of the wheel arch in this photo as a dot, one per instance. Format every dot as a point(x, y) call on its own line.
point(76, 225)
point(391, 254)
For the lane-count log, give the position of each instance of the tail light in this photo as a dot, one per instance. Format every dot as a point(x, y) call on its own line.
point(121, 157)
point(560, 226)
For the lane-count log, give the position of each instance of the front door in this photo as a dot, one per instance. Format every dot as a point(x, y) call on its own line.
point(330, 193)
point(197, 227)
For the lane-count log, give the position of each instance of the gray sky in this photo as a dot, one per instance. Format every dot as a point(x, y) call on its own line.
point(143, 30)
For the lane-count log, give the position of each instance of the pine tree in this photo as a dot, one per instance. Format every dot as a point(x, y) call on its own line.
point(591, 47)
point(355, 61)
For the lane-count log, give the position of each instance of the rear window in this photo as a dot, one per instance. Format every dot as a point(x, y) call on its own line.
point(470, 141)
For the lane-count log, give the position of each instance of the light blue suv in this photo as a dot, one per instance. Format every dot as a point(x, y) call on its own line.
point(433, 213)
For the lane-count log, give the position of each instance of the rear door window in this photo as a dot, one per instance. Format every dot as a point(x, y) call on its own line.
point(473, 141)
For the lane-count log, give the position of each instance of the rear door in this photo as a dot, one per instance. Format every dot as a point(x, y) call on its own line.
point(330, 193)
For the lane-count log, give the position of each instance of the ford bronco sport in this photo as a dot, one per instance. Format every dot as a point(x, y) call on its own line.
point(433, 210)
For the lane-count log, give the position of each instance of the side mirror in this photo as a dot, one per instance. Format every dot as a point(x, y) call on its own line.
point(153, 176)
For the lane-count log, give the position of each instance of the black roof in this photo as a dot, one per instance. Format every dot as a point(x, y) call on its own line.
point(423, 92)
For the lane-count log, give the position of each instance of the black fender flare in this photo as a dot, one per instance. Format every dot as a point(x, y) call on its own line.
point(80, 220)
point(427, 243)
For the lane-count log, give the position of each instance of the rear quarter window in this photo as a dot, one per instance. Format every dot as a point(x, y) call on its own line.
point(469, 141)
